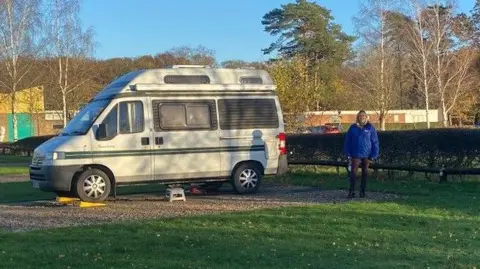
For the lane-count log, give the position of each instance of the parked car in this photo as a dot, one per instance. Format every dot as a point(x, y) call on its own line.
point(322, 129)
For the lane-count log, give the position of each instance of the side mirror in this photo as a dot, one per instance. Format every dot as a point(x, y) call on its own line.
point(102, 131)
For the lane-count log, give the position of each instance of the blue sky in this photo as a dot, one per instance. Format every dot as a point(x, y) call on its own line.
point(233, 29)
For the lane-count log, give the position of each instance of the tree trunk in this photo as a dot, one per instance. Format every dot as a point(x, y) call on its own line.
point(443, 112)
point(425, 85)
point(64, 101)
point(14, 116)
point(382, 119)
point(427, 108)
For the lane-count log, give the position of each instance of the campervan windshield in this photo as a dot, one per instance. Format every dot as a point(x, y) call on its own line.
point(80, 124)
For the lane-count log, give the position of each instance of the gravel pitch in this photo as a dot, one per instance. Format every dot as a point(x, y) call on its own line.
point(39, 215)
point(13, 178)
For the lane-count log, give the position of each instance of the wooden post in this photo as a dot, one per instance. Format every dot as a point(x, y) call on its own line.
point(443, 176)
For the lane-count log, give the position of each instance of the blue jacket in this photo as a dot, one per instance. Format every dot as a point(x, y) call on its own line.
point(361, 142)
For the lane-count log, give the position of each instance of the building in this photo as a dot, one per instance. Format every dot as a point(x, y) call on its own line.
point(32, 119)
point(318, 118)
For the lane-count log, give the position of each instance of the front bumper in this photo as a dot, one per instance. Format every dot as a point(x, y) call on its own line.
point(53, 178)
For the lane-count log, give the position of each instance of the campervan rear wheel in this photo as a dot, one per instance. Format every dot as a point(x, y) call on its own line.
point(93, 185)
point(247, 178)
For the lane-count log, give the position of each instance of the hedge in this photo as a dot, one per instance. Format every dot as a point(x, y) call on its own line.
point(434, 148)
point(27, 145)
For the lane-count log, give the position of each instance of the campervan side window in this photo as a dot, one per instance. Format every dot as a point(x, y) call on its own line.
point(247, 114)
point(184, 115)
point(131, 117)
point(111, 122)
point(198, 116)
point(172, 116)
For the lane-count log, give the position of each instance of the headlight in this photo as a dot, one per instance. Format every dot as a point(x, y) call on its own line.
point(55, 156)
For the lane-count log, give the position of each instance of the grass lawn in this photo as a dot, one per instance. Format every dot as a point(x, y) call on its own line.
point(14, 165)
point(13, 170)
point(432, 226)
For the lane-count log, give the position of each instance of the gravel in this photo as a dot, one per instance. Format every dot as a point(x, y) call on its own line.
point(39, 215)
point(13, 178)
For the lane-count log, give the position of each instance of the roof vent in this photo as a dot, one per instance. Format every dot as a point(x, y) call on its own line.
point(186, 79)
point(251, 80)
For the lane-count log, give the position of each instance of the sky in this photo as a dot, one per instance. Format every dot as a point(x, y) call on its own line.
point(233, 29)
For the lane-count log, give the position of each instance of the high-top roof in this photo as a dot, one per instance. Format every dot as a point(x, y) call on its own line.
point(193, 78)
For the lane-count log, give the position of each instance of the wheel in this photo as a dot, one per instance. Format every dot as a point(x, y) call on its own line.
point(93, 185)
point(247, 178)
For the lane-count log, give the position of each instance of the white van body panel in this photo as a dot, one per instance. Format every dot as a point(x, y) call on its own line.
point(155, 151)
point(124, 155)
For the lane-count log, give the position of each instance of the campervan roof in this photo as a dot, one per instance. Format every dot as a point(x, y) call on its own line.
point(182, 77)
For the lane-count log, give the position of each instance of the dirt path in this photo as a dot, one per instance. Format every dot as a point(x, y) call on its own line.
point(49, 214)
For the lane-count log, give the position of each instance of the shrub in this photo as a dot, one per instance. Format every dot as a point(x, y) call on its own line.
point(30, 143)
point(434, 148)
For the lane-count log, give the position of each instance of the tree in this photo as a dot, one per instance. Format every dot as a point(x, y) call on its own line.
point(452, 57)
point(199, 55)
point(18, 25)
point(372, 27)
point(421, 49)
point(308, 36)
point(306, 29)
point(69, 46)
point(243, 64)
point(475, 23)
point(374, 90)
point(294, 93)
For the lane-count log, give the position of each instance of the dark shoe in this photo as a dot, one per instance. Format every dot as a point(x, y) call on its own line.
point(351, 194)
point(362, 193)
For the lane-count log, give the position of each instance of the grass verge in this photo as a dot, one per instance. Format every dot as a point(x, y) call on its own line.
point(13, 170)
point(425, 228)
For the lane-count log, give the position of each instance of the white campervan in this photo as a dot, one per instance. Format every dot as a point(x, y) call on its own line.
point(182, 124)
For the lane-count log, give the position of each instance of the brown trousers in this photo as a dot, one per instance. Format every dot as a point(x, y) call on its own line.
point(356, 163)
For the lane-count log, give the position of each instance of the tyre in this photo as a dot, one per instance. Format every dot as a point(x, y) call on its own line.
point(247, 178)
point(93, 185)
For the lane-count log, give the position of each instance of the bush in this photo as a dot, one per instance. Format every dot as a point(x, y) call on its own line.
point(30, 143)
point(411, 126)
point(434, 148)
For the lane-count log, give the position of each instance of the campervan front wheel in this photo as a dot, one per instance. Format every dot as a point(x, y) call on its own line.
point(247, 178)
point(93, 185)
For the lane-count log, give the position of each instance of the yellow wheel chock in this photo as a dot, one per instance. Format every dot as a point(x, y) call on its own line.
point(78, 202)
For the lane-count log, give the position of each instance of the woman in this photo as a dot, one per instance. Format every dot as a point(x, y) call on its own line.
point(361, 147)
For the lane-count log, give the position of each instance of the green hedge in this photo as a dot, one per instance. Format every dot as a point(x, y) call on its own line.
point(434, 148)
point(30, 143)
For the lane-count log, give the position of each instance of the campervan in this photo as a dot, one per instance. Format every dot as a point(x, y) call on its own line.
point(175, 125)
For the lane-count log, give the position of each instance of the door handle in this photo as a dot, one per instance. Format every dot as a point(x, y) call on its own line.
point(158, 140)
point(145, 141)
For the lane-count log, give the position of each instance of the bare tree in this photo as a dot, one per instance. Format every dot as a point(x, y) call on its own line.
point(452, 59)
point(372, 90)
point(421, 49)
point(372, 27)
point(18, 25)
point(69, 46)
